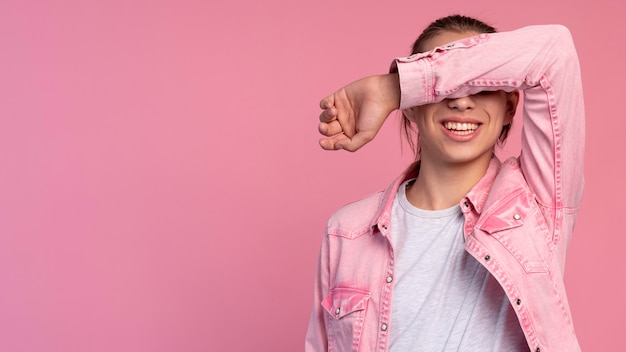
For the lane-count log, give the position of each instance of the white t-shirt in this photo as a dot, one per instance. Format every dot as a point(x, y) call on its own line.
point(443, 299)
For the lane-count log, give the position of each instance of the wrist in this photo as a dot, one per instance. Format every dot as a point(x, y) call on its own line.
point(390, 89)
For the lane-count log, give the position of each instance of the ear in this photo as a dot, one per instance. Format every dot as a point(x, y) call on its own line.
point(512, 99)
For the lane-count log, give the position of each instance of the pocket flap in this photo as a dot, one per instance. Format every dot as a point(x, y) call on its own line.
point(343, 301)
point(506, 215)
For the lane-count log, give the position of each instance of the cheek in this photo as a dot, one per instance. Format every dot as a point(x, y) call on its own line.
point(503, 116)
point(497, 110)
point(422, 115)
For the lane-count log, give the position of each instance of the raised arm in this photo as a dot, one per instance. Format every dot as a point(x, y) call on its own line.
point(541, 61)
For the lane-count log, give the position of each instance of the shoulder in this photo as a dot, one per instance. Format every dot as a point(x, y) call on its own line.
point(357, 217)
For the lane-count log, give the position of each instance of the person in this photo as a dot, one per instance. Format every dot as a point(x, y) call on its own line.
point(462, 252)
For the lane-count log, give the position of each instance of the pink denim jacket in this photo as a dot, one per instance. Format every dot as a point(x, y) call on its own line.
point(519, 217)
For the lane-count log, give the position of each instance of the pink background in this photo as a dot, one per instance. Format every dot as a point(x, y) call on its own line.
point(161, 186)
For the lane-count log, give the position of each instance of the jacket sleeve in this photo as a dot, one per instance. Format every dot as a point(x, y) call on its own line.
point(541, 61)
point(316, 336)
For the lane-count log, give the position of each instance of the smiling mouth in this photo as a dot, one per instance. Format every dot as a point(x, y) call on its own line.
point(460, 128)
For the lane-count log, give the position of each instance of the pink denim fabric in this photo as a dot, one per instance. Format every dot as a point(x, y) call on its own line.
point(519, 218)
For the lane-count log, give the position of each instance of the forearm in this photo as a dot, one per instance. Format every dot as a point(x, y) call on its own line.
point(495, 61)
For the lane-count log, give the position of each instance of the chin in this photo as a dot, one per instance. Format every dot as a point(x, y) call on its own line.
point(466, 158)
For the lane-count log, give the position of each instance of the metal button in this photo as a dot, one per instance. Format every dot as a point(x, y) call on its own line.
point(338, 311)
point(465, 204)
point(487, 257)
point(389, 279)
point(517, 217)
point(383, 327)
point(538, 349)
point(519, 302)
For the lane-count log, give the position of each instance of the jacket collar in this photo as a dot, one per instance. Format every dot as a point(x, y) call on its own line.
point(479, 193)
point(476, 196)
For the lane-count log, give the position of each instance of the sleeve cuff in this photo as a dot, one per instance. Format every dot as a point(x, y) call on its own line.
point(416, 80)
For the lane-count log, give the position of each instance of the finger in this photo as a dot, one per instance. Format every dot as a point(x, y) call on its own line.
point(348, 123)
point(327, 102)
point(330, 129)
point(354, 143)
point(328, 115)
point(332, 143)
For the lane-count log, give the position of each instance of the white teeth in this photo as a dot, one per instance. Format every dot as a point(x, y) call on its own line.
point(458, 126)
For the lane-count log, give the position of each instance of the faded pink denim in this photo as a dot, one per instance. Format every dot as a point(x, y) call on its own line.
point(519, 218)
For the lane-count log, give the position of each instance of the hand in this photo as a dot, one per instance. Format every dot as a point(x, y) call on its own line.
point(353, 115)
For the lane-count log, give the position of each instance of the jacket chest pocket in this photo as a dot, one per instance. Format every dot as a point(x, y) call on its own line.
point(346, 309)
point(519, 226)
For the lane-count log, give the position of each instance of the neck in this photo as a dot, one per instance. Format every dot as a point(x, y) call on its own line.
point(442, 185)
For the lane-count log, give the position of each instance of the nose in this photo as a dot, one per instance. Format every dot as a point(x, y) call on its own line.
point(461, 104)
